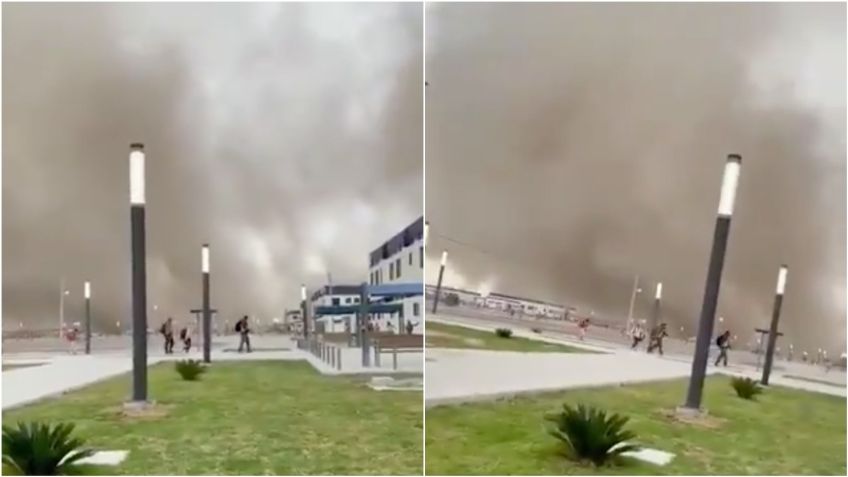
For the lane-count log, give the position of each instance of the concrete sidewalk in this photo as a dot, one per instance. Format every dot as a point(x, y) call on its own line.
point(455, 375)
point(62, 373)
point(461, 375)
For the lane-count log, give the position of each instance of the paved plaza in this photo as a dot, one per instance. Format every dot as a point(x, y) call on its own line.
point(60, 372)
point(463, 375)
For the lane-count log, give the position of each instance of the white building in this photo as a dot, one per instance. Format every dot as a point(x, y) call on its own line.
point(336, 295)
point(503, 302)
point(400, 260)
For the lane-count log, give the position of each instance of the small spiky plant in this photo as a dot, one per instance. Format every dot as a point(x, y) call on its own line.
point(589, 434)
point(190, 369)
point(37, 448)
point(504, 332)
point(746, 388)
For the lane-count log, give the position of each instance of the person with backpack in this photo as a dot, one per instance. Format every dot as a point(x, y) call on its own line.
point(638, 335)
point(723, 343)
point(243, 330)
point(167, 331)
point(657, 335)
point(185, 337)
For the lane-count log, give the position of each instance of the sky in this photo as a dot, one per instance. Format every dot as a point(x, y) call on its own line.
point(287, 136)
point(571, 147)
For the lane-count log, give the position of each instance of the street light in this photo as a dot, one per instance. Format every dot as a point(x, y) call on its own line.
point(304, 310)
point(782, 272)
point(62, 294)
point(87, 293)
point(139, 273)
point(655, 316)
point(726, 202)
point(635, 291)
point(207, 315)
point(439, 283)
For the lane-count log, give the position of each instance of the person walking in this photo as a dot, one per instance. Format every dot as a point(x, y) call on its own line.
point(167, 330)
point(637, 333)
point(584, 328)
point(657, 335)
point(723, 343)
point(185, 337)
point(71, 335)
point(409, 327)
point(243, 330)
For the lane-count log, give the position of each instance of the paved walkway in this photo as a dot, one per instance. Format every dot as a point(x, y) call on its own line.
point(62, 372)
point(455, 375)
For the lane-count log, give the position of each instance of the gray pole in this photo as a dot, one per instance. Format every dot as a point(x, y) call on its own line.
point(87, 318)
point(711, 289)
point(655, 314)
point(362, 318)
point(139, 273)
point(439, 283)
point(775, 317)
point(304, 311)
point(207, 316)
point(632, 303)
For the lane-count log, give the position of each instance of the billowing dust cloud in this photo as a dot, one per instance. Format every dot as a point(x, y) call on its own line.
point(571, 147)
point(286, 136)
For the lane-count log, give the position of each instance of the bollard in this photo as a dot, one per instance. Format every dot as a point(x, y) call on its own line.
point(339, 359)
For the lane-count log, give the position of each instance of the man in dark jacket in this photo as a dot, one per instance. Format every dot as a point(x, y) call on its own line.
point(244, 332)
point(657, 335)
point(723, 343)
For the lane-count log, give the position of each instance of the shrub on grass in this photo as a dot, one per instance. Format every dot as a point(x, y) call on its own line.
point(589, 434)
point(190, 369)
point(42, 449)
point(746, 388)
point(504, 332)
point(537, 330)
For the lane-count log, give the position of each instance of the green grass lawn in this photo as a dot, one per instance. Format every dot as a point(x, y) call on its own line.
point(440, 335)
point(275, 418)
point(784, 432)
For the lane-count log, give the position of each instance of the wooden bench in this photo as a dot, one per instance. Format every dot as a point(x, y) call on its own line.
point(337, 338)
point(391, 343)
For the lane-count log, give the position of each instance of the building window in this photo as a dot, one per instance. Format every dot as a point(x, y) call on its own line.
point(416, 309)
point(347, 300)
point(335, 302)
point(391, 270)
point(356, 299)
point(410, 259)
point(421, 256)
point(397, 268)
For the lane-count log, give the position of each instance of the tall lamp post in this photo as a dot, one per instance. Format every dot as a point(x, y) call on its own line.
point(207, 315)
point(439, 283)
point(636, 290)
point(87, 318)
point(139, 273)
point(775, 317)
point(304, 311)
point(726, 201)
point(62, 294)
point(655, 314)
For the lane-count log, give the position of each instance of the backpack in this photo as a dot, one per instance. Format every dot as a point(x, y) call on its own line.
point(162, 329)
point(720, 341)
point(238, 326)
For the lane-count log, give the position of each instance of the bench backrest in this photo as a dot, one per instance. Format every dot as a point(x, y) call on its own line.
point(401, 341)
point(336, 337)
